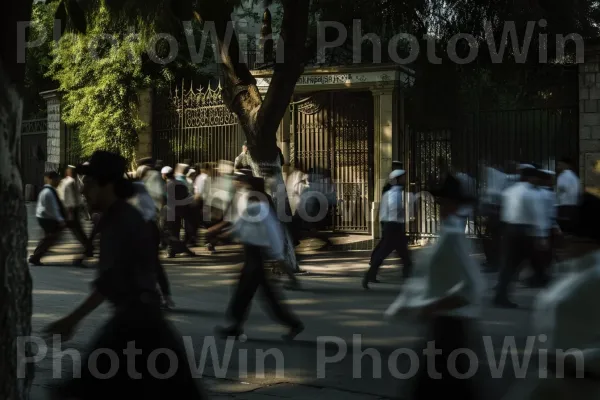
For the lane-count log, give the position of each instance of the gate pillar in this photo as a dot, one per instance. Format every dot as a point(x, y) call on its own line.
point(144, 148)
point(284, 141)
point(383, 141)
point(55, 149)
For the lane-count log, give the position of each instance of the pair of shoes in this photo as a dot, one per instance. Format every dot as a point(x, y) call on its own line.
point(293, 332)
point(365, 282)
point(35, 262)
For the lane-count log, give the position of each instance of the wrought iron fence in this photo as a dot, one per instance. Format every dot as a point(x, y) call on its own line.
point(194, 124)
point(480, 139)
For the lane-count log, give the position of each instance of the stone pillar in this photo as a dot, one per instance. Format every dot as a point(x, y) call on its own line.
point(55, 153)
point(144, 148)
point(589, 118)
point(382, 148)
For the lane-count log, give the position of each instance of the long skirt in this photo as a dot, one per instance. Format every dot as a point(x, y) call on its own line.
point(438, 378)
point(158, 368)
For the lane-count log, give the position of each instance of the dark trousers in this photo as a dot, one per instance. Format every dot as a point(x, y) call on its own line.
point(74, 225)
point(52, 231)
point(393, 237)
point(449, 333)
point(174, 243)
point(568, 218)
point(492, 243)
point(161, 275)
point(253, 277)
point(517, 246)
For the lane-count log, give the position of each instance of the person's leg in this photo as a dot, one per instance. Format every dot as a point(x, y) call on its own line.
point(515, 250)
point(240, 302)
point(404, 252)
point(381, 252)
point(51, 234)
point(74, 225)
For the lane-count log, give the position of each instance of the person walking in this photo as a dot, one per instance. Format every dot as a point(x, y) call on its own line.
point(568, 195)
point(445, 297)
point(126, 278)
point(393, 230)
point(524, 236)
point(258, 229)
point(70, 195)
point(51, 216)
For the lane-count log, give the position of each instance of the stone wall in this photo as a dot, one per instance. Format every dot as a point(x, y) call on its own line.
point(144, 148)
point(55, 135)
point(589, 118)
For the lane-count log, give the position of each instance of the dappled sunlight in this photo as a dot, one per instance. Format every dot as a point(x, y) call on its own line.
point(363, 323)
point(363, 312)
point(46, 316)
point(311, 313)
point(303, 301)
point(38, 292)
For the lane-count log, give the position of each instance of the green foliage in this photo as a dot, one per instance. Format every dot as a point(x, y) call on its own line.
point(101, 72)
point(38, 60)
point(100, 82)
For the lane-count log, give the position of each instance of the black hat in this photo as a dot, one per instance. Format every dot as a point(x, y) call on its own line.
point(451, 189)
point(145, 161)
point(104, 166)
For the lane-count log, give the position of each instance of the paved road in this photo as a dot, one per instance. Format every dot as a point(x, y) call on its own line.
point(333, 306)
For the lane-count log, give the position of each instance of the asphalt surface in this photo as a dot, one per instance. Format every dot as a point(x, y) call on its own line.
point(342, 322)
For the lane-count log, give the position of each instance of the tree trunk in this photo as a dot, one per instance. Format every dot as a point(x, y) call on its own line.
point(260, 118)
point(15, 280)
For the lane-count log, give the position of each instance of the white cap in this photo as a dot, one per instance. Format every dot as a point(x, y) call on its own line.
point(547, 172)
point(71, 166)
point(397, 173)
point(526, 166)
point(166, 170)
point(191, 172)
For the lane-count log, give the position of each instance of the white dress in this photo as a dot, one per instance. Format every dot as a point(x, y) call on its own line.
point(566, 313)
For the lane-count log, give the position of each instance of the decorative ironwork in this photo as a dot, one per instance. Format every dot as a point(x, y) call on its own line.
point(34, 126)
point(195, 124)
point(336, 135)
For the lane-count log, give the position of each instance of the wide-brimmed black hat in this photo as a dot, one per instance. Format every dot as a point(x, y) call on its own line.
point(145, 161)
point(451, 189)
point(104, 166)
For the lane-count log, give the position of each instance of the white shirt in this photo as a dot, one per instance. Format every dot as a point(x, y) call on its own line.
point(496, 182)
point(143, 202)
point(549, 204)
point(391, 208)
point(199, 184)
point(47, 205)
point(447, 270)
point(521, 206)
point(568, 188)
point(69, 193)
point(258, 226)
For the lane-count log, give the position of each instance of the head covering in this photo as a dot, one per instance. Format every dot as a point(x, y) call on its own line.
point(148, 161)
point(191, 172)
point(397, 173)
point(547, 172)
point(104, 166)
point(71, 166)
point(523, 167)
point(451, 189)
point(166, 171)
point(181, 169)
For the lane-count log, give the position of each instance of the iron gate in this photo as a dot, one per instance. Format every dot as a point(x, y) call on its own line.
point(333, 131)
point(485, 138)
point(195, 125)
